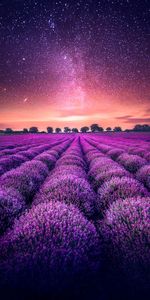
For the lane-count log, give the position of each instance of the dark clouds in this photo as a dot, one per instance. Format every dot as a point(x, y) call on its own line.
point(131, 119)
point(124, 117)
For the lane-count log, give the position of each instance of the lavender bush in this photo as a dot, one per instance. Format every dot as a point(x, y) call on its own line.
point(47, 159)
point(48, 248)
point(118, 188)
point(60, 170)
point(114, 153)
point(71, 160)
point(11, 204)
point(144, 175)
point(8, 163)
point(147, 156)
point(99, 166)
point(131, 162)
point(93, 155)
point(26, 179)
point(107, 174)
point(71, 190)
point(141, 152)
point(125, 234)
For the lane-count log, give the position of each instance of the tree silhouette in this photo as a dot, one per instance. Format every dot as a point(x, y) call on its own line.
point(33, 129)
point(117, 129)
point(50, 129)
point(84, 129)
point(25, 130)
point(99, 129)
point(144, 127)
point(127, 130)
point(108, 129)
point(67, 129)
point(94, 127)
point(8, 130)
point(58, 130)
point(75, 130)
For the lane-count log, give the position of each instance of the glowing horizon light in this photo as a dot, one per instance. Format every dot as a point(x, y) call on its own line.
point(71, 118)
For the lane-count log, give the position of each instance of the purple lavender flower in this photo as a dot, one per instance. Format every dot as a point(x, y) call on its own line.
point(125, 234)
point(114, 153)
point(99, 165)
point(53, 152)
point(143, 175)
point(147, 156)
point(93, 155)
point(71, 160)
point(11, 204)
point(47, 159)
point(60, 170)
point(118, 188)
point(71, 190)
point(8, 163)
point(26, 179)
point(50, 246)
point(138, 151)
point(131, 162)
point(29, 154)
point(107, 174)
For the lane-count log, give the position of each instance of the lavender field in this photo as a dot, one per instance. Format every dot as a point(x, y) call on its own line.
point(75, 216)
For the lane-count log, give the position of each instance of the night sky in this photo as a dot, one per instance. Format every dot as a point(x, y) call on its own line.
point(74, 63)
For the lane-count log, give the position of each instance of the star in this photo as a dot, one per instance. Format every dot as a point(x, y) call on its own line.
point(51, 24)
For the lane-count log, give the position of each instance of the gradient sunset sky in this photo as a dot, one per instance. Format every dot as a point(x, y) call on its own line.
point(74, 63)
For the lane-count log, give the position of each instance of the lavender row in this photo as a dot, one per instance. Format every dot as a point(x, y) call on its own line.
point(15, 150)
point(124, 205)
point(18, 186)
point(135, 148)
point(53, 248)
point(12, 141)
point(110, 180)
point(138, 166)
point(68, 182)
point(28, 145)
point(131, 162)
point(13, 161)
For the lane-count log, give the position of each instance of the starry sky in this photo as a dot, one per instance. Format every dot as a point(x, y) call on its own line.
point(74, 63)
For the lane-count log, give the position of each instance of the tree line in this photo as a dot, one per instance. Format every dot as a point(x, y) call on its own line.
point(84, 129)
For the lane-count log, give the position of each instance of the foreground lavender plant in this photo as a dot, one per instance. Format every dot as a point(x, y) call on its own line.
point(125, 232)
point(48, 248)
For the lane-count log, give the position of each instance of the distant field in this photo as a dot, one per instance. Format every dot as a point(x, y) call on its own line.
point(75, 216)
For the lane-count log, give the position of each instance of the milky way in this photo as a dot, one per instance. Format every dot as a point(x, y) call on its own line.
point(80, 61)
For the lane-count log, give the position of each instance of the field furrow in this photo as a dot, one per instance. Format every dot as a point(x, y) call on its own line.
point(19, 185)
